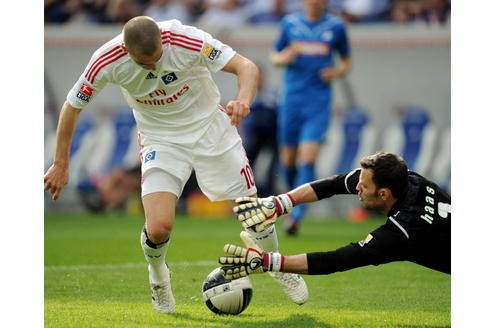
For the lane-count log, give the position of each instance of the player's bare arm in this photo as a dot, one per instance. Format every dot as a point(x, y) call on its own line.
point(247, 82)
point(57, 175)
point(330, 74)
point(285, 57)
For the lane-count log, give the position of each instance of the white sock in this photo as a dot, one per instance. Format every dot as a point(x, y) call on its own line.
point(156, 259)
point(266, 239)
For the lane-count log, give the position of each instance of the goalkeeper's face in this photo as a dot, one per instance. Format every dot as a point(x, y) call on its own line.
point(368, 193)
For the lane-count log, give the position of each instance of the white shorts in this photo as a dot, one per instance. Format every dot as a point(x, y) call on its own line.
point(218, 159)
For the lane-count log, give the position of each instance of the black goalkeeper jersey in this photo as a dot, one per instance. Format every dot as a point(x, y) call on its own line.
point(417, 229)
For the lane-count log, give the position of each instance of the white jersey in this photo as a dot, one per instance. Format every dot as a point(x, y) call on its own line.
point(176, 102)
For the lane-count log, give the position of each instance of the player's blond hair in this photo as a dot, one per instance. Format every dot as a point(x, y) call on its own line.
point(142, 35)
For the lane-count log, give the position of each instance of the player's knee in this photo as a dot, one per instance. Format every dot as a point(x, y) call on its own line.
point(159, 232)
point(288, 156)
point(308, 153)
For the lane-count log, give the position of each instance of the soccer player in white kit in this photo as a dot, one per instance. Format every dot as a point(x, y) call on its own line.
point(164, 71)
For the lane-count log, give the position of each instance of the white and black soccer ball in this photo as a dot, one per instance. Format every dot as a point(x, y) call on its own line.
point(223, 296)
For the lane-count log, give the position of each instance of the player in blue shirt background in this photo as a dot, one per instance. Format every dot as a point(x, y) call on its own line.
point(306, 47)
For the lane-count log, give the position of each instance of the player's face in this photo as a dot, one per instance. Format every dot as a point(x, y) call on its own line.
point(367, 191)
point(314, 6)
point(148, 62)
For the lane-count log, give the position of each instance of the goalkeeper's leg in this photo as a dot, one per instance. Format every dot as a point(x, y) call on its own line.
point(293, 284)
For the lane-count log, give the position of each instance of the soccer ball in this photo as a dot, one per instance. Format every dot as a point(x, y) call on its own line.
point(223, 296)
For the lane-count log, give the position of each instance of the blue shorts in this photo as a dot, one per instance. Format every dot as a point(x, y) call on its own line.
point(303, 120)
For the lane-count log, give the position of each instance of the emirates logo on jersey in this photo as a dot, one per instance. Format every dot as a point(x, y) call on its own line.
point(155, 99)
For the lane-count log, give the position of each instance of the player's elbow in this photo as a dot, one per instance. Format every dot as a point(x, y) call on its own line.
point(252, 70)
point(275, 59)
point(347, 65)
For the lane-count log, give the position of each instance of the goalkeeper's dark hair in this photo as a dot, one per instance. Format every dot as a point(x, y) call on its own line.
point(389, 171)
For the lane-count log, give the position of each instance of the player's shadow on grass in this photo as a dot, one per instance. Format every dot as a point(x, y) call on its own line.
point(421, 326)
point(295, 321)
point(302, 320)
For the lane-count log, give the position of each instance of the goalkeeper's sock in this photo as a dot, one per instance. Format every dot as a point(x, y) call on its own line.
point(155, 256)
point(267, 239)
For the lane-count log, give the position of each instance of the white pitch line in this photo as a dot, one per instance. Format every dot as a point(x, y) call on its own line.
point(123, 266)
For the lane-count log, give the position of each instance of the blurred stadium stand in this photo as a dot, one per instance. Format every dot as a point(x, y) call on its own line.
point(392, 65)
point(414, 137)
point(95, 12)
point(100, 144)
point(441, 168)
point(352, 136)
point(114, 146)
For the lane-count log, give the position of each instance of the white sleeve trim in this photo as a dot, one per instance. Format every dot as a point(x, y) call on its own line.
point(347, 177)
point(399, 226)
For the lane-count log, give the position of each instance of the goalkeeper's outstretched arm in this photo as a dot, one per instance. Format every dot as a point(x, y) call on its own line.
point(324, 188)
point(296, 264)
point(243, 261)
point(260, 213)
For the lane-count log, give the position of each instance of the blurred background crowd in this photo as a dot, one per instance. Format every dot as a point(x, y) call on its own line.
point(238, 12)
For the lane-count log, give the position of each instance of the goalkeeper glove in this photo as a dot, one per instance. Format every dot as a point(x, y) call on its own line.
point(259, 213)
point(245, 261)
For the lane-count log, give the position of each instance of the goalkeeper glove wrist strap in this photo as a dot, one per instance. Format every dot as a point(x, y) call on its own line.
point(285, 203)
point(273, 261)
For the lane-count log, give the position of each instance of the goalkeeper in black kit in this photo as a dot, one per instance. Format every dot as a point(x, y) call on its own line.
point(417, 228)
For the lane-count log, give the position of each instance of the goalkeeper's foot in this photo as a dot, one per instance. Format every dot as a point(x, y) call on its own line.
point(162, 297)
point(293, 285)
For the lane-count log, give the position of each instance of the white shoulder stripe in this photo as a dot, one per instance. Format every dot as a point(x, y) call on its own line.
point(347, 177)
point(399, 226)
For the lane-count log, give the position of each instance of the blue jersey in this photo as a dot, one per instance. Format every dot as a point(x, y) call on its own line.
point(316, 43)
point(306, 99)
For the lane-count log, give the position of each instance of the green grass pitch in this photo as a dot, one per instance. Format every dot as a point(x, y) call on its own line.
point(95, 276)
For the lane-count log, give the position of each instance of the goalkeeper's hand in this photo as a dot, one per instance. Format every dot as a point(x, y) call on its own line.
point(245, 261)
point(259, 213)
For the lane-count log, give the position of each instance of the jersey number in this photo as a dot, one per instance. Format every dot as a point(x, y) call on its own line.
point(443, 210)
point(248, 176)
